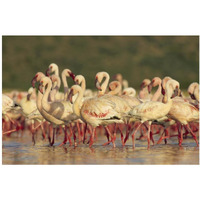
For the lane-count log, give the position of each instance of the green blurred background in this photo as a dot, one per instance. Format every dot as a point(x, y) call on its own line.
point(135, 57)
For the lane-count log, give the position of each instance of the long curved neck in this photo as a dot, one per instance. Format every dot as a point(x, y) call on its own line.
point(65, 84)
point(45, 103)
point(55, 89)
point(83, 84)
point(104, 84)
point(143, 92)
point(57, 72)
point(117, 90)
point(196, 92)
point(77, 102)
point(157, 93)
point(169, 92)
point(39, 101)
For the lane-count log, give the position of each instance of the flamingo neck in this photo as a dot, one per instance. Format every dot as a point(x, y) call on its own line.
point(83, 84)
point(65, 84)
point(39, 101)
point(77, 102)
point(45, 103)
point(117, 90)
point(55, 90)
point(104, 84)
point(157, 93)
point(143, 93)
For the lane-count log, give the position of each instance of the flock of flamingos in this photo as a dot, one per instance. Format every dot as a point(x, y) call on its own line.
point(81, 114)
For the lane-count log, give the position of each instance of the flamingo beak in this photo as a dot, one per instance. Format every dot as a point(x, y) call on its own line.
point(33, 82)
point(48, 72)
point(163, 91)
point(150, 88)
point(192, 96)
point(40, 88)
point(142, 85)
point(72, 75)
point(70, 96)
point(176, 92)
point(97, 84)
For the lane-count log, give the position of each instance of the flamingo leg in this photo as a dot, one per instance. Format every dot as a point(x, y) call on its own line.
point(128, 128)
point(84, 133)
point(110, 136)
point(121, 132)
point(54, 133)
point(10, 131)
point(92, 137)
point(193, 135)
point(50, 133)
point(43, 131)
point(71, 133)
point(33, 133)
point(79, 132)
point(133, 135)
point(180, 135)
point(166, 133)
point(148, 135)
point(65, 137)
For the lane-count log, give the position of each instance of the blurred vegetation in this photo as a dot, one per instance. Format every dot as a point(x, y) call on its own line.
point(135, 57)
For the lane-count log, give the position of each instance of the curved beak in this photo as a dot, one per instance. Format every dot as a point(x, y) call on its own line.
point(163, 91)
point(176, 92)
point(192, 96)
point(72, 75)
point(97, 84)
point(76, 82)
point(33, 82)
point(69, 98)
point(48, 72)
point(150, 88)
point(142, 85)
point(40, 88)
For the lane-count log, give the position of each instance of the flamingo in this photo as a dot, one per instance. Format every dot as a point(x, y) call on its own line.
point(143, 93)
point(95, 111)
point(122, 106)
point(129, 91)
point(193, 91)
point(183, 113)
point(66, 73)
point(7, 105)
point(61, 110)
point(54, 121)
point(153, 110)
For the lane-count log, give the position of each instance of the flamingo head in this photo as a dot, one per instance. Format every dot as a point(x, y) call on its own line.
point(37, 78)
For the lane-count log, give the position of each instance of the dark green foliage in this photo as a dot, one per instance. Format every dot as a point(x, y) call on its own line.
point(136, 57)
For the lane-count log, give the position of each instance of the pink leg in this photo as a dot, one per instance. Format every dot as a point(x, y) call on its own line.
point(65, 137)
point(79, 132)
point(43, 131)
point(92, 137)
point(85, 134)
point(110, 136)
point(180, 135)
point(71, 133)
point(133, 135)
point(193, 135)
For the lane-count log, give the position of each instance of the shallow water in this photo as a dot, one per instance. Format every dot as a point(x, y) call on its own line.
point(18, 149)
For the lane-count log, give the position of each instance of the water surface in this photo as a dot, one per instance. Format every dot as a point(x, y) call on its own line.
point(18, 149)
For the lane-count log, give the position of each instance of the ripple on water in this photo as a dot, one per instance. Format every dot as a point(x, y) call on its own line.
point(19, 150)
